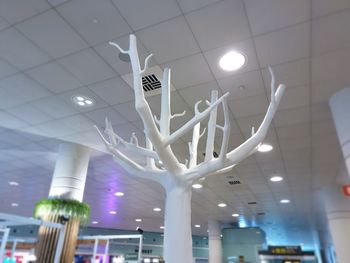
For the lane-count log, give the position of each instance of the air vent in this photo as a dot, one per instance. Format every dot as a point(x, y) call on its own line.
point(251, 203)
point(261, 214)
point(235, 182)
point(150, 83)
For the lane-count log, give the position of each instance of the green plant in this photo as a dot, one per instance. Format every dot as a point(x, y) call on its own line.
point(63, 207)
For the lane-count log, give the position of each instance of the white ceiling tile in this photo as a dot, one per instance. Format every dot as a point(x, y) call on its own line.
point(246, 124)
point(269, 15)
point(78, 123)
point(55, 107)
point(323, 128)
point(223, 23)
point(321, 92)
point(29, 114)
point(6, 68)
point(295, 143)
point(249, 106)
point(243, 85)
point(284, 45)
point(199, 92)
point(98, 116)
point(121, 62)
point(100, 21)
point(190, 5)
point(189, 71)
point(160, 40)
point(54, 77)
point(321, 111)
point(87, 66)
point(292, 74)
point(323, 7)
point(55, 129)
point(57, 2)
point(9, 99)
point(330, 66)
point(153, 11)
point(128, 111)
point(331, 32)
point(3, 23)
point(19, 51)
point(295, 97)
point(22, 86)
point(59, 38)
point(292, 116)
point(113, 91)
point(292, 131)
point(17, 10)
point(10, 122)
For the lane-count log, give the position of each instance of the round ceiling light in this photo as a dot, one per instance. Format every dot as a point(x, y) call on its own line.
point(138, 220)
point(197, 226)
point(265, 148)
point(119, 194)
point(235, 215)
point(157, 209)
point(13, 183)
point(14, 204)
point(162, 227)
point(112, 212)
point(197, 186)
point(94, 222)
point(82, 101)
point(222, 205)
point(285, 201)
point(276, 179)
point(232, 60)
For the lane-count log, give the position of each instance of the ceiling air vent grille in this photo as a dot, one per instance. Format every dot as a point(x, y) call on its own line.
point(251, 203)
point(234, 182)
point(150, 83)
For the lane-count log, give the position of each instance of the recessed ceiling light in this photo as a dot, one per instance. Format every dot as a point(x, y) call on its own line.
point(222, 205)
point(285, 201)
point(138, 220)
point(235, 215)
point(276, 179)
point(265, 148)
point(197, 186)
point(119, 194)
point(157, 209)
point(162, 227)
point(14, 204)
point(112, 212)
point(13, 183)
point(82, 101)
point(94, 222)
point(95, 20)
point(197, 226)
point(232, 60)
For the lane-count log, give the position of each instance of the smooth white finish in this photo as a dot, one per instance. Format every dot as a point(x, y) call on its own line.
point(215, 246)
point(164, 167)
point(340, 107)
point(68, 181)
point(338, 214)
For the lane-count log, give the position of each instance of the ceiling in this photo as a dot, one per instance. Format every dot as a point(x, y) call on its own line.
point(52, 50)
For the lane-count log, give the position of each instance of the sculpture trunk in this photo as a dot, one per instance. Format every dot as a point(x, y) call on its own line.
point(177, 233)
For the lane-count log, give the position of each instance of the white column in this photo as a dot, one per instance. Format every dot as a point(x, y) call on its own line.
point(340, 107)
point(215, 247)
point(68, 181)
point(338, 213)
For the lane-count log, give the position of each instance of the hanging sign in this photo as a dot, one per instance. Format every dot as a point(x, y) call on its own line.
point(346, 190)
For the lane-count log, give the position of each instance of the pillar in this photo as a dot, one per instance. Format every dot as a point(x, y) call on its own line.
point(338, 214)
point(340, 107)
point(68, 183)
point(215, 246)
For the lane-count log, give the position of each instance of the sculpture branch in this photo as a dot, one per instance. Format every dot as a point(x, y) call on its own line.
point(198, 117)
point(226, 130)
point(211, 127)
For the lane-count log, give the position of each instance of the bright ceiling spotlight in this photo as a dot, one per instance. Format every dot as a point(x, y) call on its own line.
point(197, 186)
point(222, 205)
point(119, 194)
point(276, 179)
point(13, 183)
point(162, 227)
point(197, 226)
point(113, 212)
point(14, 204)
point(285, 201)
point(265, 148)
point(138, 220)
point(235, 215)
point(232, 60)
point(157, 209)
point(82, 101)
point(94, 222)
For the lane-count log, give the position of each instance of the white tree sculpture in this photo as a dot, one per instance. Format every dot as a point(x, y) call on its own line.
point(164, 167)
